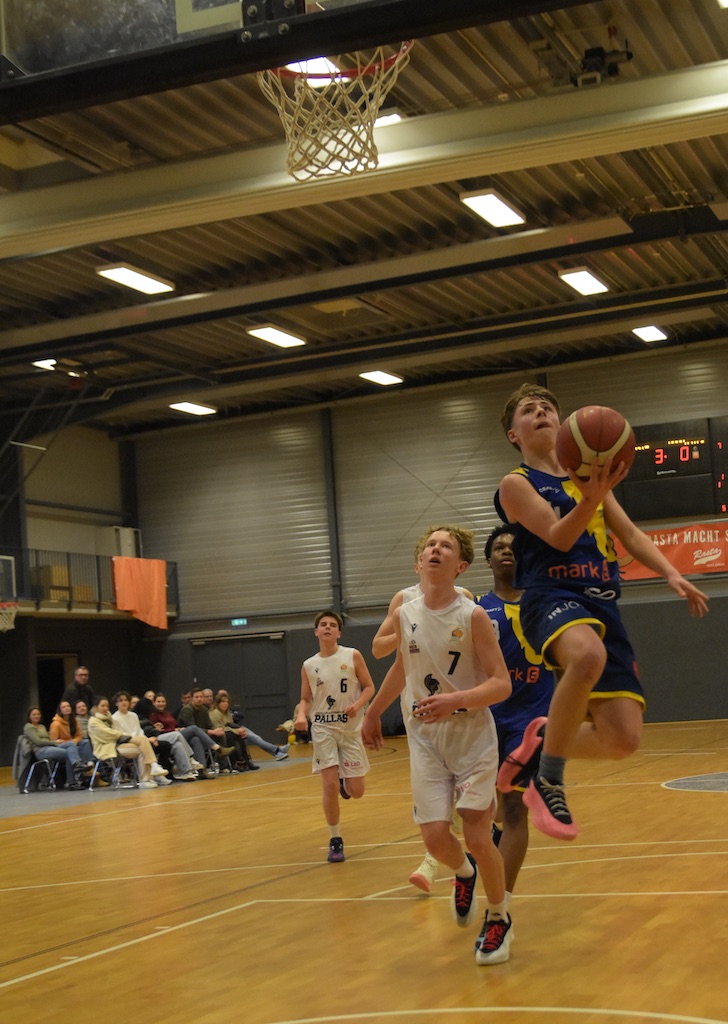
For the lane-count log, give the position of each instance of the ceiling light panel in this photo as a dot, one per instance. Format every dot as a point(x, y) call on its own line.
point(194, 408)
point(381, 377)
point(275, 336)
point(133, 277)
point(493, 208)
point(583, 280)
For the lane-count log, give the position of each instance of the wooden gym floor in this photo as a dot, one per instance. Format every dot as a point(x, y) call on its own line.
point(212, 902)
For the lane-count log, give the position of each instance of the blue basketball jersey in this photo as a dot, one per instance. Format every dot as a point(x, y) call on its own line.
point(533, 683)
point(590, 565)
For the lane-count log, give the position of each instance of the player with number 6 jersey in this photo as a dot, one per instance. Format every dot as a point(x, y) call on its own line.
point(335, 687)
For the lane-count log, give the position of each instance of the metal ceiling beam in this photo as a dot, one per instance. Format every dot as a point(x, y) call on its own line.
point(186, 62)
point(547, 328)
point(583, 123)
point(78, 334)
point(472, 257)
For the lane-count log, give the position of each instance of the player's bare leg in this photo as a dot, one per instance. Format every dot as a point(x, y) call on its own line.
point(513, 844)
point(583, 656)
point(614, 732)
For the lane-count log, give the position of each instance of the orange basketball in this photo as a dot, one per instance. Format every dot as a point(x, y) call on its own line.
point(594, 432)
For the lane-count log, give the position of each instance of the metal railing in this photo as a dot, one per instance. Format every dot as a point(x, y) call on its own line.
point(66, 579)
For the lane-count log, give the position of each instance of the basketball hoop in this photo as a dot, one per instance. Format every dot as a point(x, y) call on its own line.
point(8, 611)
point(329, 116)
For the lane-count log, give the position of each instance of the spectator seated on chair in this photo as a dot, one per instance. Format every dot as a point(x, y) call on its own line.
point(81, 711)
point(47, 749)
point(196, 713)
point(173, 750)
point(128, 722)
point(165, 723)
point(31, 775)
point(221, 717)
point(64, 726)
point(252, 739)
point(109, 741)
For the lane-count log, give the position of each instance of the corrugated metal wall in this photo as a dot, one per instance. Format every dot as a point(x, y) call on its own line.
point(242, 507)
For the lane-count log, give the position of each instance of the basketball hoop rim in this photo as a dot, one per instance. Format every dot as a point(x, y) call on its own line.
point(371, 69)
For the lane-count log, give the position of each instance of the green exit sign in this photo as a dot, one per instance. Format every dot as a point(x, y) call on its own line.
point(238, 622)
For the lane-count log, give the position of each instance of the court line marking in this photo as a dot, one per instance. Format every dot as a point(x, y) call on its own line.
point(303, 864)
point(159, 933)
point(458, 1010)
point(124, 945)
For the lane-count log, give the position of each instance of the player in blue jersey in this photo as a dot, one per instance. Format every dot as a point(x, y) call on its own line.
point(526, 707)
point(568, 569)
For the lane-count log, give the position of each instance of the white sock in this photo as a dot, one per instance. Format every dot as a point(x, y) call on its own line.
point(334, 832)
point(466, 869)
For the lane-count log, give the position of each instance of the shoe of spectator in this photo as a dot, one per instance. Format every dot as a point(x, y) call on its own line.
point(282, 753)
point(205, 773)
point(225, 751)
point(186, 777)
point(158, 770)
point(159, 780)
point(195, 765)
point(147, 784)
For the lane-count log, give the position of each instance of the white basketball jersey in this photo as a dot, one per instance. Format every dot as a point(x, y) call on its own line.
point(335, 686)
point(437, 649)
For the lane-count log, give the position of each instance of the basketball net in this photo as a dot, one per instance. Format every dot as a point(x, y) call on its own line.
point(8, 611)
point(329, 118)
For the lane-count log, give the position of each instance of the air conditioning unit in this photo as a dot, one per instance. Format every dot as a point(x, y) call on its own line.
point(119, 540)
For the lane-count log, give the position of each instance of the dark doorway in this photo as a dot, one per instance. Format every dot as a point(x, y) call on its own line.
point(55, 671)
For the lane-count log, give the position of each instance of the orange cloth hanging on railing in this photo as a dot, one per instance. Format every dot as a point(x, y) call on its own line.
point(140, 587)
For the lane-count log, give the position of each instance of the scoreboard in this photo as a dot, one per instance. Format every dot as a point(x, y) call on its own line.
point(680, 469)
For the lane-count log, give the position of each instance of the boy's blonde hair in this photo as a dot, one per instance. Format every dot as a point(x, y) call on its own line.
point(465, 538)
point(528, 390)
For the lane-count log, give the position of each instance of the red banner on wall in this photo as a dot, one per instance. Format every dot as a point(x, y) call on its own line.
point(699, 548)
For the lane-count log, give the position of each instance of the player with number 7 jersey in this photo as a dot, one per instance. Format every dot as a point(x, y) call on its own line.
point(450, 669)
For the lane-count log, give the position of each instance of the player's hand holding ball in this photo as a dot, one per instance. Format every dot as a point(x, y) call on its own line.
point(595, 440)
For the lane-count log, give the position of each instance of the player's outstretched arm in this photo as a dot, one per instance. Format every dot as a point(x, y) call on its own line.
point(641, 547)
